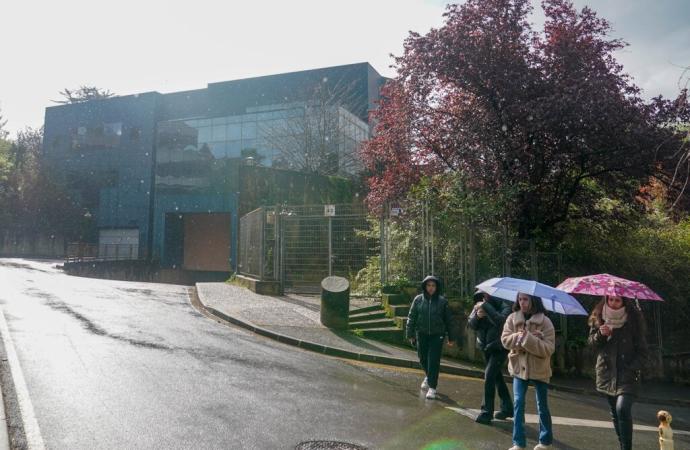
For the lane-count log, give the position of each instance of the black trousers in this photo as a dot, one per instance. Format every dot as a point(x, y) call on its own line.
point(493, 381)
point(429, 348)
point(621, 413)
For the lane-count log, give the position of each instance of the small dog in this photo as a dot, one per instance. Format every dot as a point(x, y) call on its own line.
point(665, 431)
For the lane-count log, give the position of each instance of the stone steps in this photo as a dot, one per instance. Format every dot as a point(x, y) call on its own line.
point(400, 322)
point(392, 335)
point(398, 310)
point(372, 315)
point(384, 322)
point(366, 309)
point(376, 323)
point(394, 299)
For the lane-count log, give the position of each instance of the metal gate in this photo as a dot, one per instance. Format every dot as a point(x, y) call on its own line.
point(322, 240)
point(301, 245)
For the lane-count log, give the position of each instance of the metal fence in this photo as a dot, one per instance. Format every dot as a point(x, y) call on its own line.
point(251, 251)
point(416, 241)
point(301, 245)
point(321, 240)
point(79, 251)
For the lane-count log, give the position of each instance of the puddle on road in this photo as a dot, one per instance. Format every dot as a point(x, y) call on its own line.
point(16, 265)
point(167, 298)
point(58, 305)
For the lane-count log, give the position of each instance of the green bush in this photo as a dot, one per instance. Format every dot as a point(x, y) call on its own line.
point(649, 247)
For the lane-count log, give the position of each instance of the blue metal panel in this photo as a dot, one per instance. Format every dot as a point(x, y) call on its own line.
point(113, 181)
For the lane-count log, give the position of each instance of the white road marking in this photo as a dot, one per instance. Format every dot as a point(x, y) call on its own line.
point(569, 421)
point(34, 439)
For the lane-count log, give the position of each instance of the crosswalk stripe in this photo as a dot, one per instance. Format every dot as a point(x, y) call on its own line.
point(568, 421)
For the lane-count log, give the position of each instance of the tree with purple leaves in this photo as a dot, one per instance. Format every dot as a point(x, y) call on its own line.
point(529, 116)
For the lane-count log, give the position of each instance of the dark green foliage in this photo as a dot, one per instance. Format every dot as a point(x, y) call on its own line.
point(646, 246)
point(33, 202)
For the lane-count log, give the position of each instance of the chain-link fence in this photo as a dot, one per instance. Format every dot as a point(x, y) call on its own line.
point(321, 240)
point(301, 245)
point(417, 241)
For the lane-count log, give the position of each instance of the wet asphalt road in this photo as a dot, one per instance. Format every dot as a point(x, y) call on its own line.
point(118, 365)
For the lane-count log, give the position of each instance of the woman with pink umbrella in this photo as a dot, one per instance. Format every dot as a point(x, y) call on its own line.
point(618, 335)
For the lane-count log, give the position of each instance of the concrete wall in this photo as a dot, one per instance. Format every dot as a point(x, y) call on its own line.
point(141, 271)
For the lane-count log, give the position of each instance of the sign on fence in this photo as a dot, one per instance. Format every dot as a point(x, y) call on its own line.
point(329, 210)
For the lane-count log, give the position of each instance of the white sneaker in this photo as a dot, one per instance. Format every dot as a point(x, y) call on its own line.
point(543, 447)
point(515, 447)
point(425, 383)
point(431, 394)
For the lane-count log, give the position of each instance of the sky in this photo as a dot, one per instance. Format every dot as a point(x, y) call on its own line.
point(137, 46)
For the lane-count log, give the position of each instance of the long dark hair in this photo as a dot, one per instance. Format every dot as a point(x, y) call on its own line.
point(635, 317)
point(537, 304)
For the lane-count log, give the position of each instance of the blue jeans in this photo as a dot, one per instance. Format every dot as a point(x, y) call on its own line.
point(545, 428)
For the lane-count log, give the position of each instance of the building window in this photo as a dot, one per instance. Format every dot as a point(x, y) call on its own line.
point(106, 135)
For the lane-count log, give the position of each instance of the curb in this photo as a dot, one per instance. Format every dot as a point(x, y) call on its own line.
point(398, 362)
point(4, 425)
point(333, 351)
point(338, 352)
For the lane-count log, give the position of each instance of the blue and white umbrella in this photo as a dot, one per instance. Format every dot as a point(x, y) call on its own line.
point(554, 299)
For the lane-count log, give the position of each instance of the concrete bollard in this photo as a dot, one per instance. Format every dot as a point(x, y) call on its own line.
point(335, 302)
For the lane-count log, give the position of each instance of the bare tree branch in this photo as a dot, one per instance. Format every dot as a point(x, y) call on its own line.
point(319, 135)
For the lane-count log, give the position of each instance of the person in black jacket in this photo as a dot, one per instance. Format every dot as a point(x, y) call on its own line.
point(428, 322)
point(487, 319)
point(618, 335)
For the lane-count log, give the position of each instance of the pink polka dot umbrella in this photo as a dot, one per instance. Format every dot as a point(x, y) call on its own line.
point(605, 284)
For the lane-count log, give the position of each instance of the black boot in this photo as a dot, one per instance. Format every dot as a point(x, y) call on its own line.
point(484, 418)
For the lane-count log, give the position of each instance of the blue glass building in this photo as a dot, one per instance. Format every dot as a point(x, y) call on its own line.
point(161, 172)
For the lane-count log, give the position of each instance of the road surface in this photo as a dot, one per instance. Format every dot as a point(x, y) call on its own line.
point(122, 365)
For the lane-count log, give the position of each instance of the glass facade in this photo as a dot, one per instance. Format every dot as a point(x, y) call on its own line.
point(135, 161)
point(190, 152)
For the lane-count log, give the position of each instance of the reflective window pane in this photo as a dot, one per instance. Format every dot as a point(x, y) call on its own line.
point(218, 132)
point(249, 130)
point(205, 134)
point(234, 131)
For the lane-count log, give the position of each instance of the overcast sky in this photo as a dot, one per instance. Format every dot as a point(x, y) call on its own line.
point(145, 45)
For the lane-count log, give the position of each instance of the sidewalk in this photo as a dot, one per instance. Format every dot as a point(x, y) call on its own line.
point(295, 320)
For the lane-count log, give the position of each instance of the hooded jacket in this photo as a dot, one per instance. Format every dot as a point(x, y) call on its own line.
point(430, 315)
point(490, 327)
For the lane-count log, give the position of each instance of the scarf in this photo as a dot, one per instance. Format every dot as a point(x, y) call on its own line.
point(614, 318)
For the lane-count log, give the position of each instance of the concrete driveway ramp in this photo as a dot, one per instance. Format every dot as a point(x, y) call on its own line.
point(335, 302)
